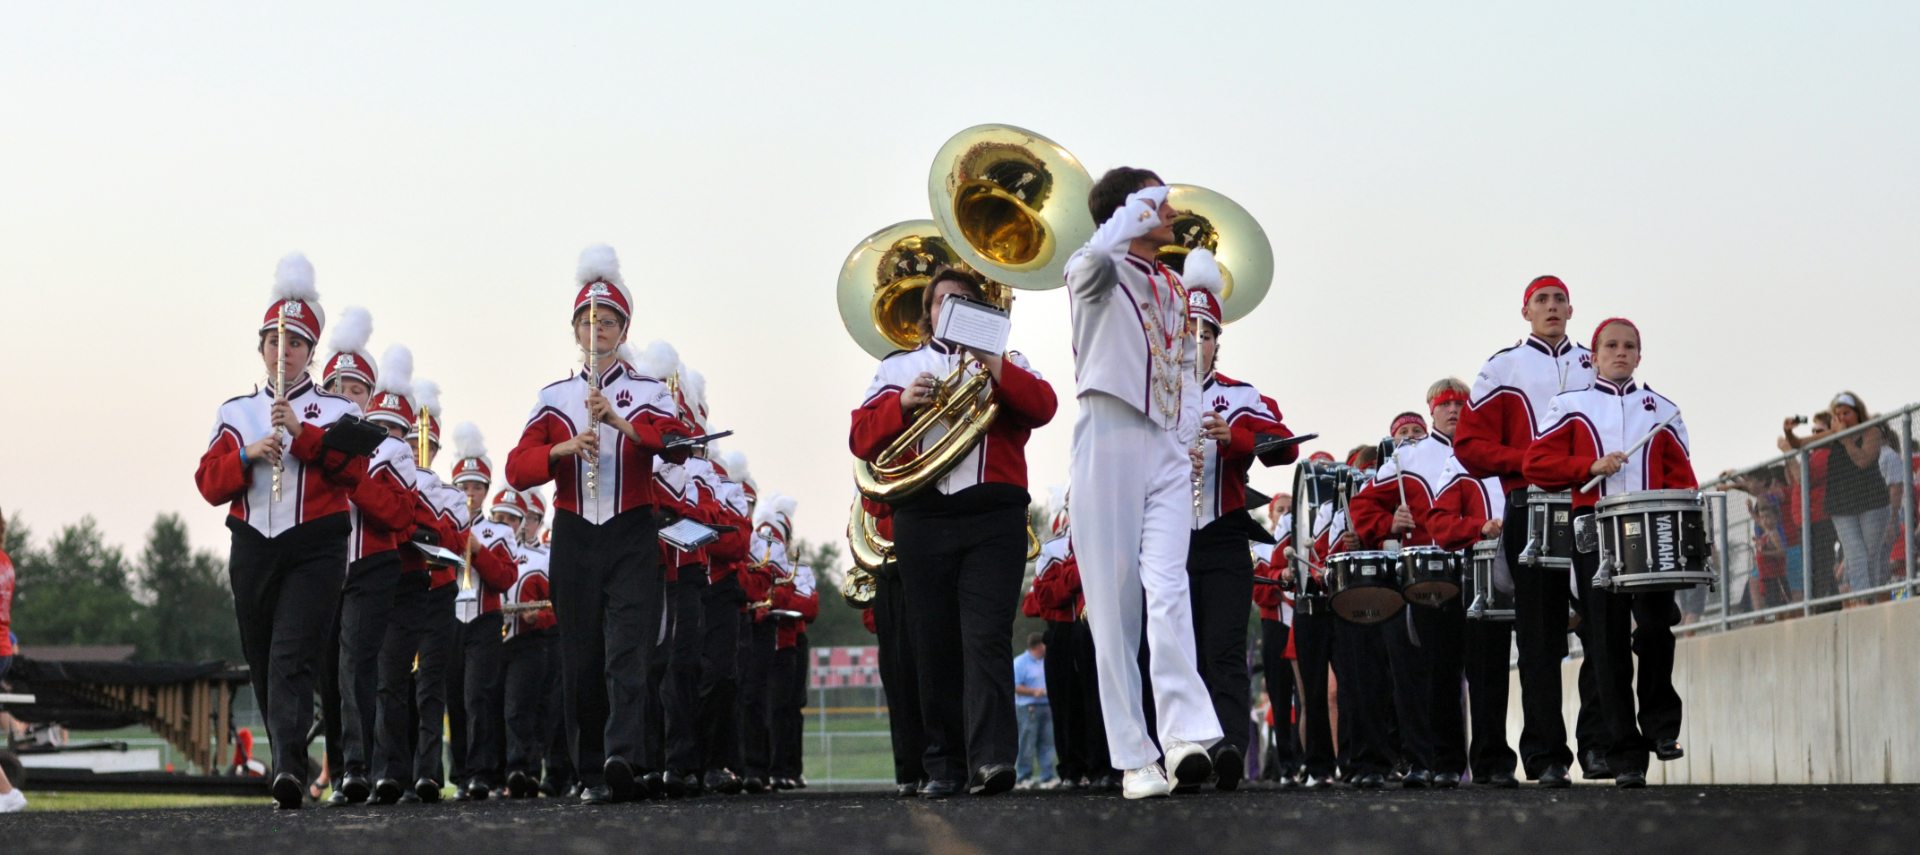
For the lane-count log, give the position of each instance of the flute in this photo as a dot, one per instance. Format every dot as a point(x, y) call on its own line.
point(593, 383)
point(280, 392)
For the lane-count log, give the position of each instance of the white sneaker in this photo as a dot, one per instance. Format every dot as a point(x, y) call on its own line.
point(13, 801)
point(1189, 762)
point(1145, 782)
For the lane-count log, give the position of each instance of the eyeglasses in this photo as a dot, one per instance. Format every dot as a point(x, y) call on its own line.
point(605, 323)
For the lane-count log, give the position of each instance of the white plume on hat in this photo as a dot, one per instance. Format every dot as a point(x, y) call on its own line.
point(1201, 271)
point(693, 387)
point(776, 510)
point(659, 361)
point(398, 374)
point(736, 465)
point(293, 279)
point(1057, 509)
point(351, 334)
point(599, 262)
point(426, 398)
point(467, 441)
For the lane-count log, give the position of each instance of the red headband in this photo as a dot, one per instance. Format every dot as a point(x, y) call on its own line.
point(1447, 395)
point(1408, 419)
point(1544, 282)
point(1595, 344)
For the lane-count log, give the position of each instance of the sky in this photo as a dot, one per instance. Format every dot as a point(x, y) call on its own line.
point(1739, 178)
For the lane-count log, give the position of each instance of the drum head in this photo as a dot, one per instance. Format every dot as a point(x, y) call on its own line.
point(1431, 592)
point(1367, 605)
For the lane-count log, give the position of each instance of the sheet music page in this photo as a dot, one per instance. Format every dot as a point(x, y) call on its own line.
point(972, 324)
point(688, 535)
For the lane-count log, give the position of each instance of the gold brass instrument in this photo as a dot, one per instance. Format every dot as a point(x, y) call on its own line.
point(859, 588)
point(965, 407)
point(1013, 203)
point(871, 552)
point(1205, 218)
point(517, 608)
point(1033, 544)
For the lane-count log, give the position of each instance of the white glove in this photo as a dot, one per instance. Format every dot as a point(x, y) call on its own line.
point(1201, 272)
point(1140, 215)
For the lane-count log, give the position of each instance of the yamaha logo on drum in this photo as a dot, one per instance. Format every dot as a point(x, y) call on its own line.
point(1663, 543)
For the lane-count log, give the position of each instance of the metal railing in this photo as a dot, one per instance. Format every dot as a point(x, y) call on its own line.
point(1756, 567)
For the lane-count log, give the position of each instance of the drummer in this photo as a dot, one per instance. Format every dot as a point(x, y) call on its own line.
point(1312, 636)
point(1597, 432)
point(1361, 664)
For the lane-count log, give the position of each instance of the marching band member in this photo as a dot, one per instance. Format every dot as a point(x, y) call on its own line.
point(772, 523)
point(595, 435)
point(1061, 591)
point(1510, 396)
point(527, 653)
point(381, 510)
point(1469, 510)
point(794, 663)
point(1219, 564)
point(287, 497)
point(717, 696)
point(1313, 643)
point(899, 677)
point(1362, 665)
point(1276, 635)
point(673, 756)
point(1139, 413)
point(558, 779)
point(418, 649)
point(494, 561)
point(1588, 433)
point(1045, 600)
point(961, 546)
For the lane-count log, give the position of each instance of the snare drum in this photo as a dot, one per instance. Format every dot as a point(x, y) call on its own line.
point(1485, 599)
point(1654, 540)
point(1365, 586)
point(1429, 575)
point(1549, 530)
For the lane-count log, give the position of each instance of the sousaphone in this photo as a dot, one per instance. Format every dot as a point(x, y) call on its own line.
point(1204, 218)
point(1012, 203)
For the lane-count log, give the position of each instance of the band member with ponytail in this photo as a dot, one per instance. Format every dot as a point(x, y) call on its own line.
point(1131, 473)
point(1509, 399)
point(1219, 564)
point(962, 546)
point(595, 435)
point(1589, 433)
point(381, 511)
point(494, 568)
point(287, 498)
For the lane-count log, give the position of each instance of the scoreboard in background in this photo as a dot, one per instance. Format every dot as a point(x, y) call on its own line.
point(844, 668)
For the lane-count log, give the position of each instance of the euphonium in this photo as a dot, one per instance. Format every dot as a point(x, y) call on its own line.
point(871, 552)
point(858, 589)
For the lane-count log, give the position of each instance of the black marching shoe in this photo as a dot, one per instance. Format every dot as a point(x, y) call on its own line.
point(1108, 783)
point(338, 799)
point(355, 788)
point(1446, 780)
point(722, 781)
point(619, 780)
point(991, 780)
point(1669, 749)
point(428, 790)
point(287, 793)
point(386, 792)
point(478, 792)
point(600, 795)
point(907, 790)
point(1370, 781)
point(575, 789)
point(409, 797)
point(1229, 767)
point(1594, 765)
point(1417, 779)
point(521, 786)
point(1630, 779)
point(1503, 781)
point(683, 785)
point(939, 790)
point(782, 784)
point(754, 784)
point(1555, 778)
point(460, 793)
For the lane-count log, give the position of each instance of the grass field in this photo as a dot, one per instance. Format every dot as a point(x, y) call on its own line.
point(41, 800)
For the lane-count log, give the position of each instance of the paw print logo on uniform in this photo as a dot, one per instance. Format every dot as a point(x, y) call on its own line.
point(624, 399)
point(1648, 403)
point(312, 411)
point(1586, 361)
point(1220, 404)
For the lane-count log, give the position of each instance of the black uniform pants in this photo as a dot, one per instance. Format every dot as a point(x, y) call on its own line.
point(457, 722)
point(679, 685)
point(1622, 627)
point(1220, 589)
point(560, 773)
point(1313, 644)
point(1063, 700)
point(1540, 625)
point(717, 701)
point(1366, 697)
point(1086, 684)
point(366, 603)
point(790, 697)
point(607, 600)
point(284, 593)
point(1279, 676)
point(414, 702)
point(1442, 630)
point(963, 573)
point(527, 657)
point(758, 639)
point(1411, 685)
point(484, 658)
point(901, 681)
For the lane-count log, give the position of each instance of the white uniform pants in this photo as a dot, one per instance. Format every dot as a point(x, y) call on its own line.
point(1132, 512)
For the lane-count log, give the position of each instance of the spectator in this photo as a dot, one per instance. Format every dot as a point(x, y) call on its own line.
point(1857, 497)
point(1035, 764)
point(1818, 555)
point(11, 799)
point(1770, 555)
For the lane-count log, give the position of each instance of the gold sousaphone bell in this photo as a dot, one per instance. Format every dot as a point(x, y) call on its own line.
point(1013, 202)
point(1206, 219)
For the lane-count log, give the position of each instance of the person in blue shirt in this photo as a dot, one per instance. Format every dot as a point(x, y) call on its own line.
point(1035, 764)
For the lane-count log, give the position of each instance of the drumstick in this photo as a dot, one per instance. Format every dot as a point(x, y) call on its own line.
point(1636, 447)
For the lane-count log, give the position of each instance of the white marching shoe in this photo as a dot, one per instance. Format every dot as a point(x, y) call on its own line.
point(1188, 762)
point(1145, 782)
point(15, 800)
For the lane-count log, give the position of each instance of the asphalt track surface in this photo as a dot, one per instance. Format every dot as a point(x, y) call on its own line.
point(1857, 820)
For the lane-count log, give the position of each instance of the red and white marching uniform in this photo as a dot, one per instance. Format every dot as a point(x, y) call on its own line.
point(1054, 596)
point(1583, 426)
point(1463, 507)
point(1509, 404)
point(1421, 469)
point(314, 481)
point(1249, 414)
point(530, 587)
point(496, 562)
point(1026, 402)
point(625, 477)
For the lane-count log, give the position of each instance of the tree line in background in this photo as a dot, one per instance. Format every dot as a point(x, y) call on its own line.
point(172, 604)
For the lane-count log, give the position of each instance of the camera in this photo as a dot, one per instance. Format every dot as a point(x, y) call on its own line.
point(1799, 420)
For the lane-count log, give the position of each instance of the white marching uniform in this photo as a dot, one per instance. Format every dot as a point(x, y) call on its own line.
point(1133, 497)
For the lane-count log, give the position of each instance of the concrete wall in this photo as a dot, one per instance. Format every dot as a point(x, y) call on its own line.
point(1828, 699)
